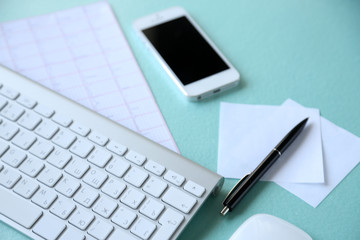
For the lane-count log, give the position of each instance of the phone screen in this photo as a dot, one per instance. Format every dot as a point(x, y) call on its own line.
point(186, 52)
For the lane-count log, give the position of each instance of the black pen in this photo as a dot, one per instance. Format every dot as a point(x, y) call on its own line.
point(249, 180)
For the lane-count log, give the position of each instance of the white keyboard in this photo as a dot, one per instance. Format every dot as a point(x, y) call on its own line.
point(69, 173)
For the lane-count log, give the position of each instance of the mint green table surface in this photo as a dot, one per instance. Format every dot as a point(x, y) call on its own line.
point(307, 50)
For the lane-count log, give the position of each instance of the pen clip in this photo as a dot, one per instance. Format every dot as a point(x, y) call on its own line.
point(239, 183)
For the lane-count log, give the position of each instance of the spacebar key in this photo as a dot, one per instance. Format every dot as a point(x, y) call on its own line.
point(18, 209)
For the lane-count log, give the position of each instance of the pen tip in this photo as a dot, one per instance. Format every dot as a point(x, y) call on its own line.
point(225, 210)
point(305, 120)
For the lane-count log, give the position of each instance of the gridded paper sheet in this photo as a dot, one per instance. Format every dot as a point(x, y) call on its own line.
point(83, 54)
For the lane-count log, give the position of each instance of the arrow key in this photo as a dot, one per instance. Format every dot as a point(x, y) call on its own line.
point(194, 188)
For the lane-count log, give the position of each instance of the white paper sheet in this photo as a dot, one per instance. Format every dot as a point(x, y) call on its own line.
point(247, 133)
point(83, 54)
point(341, 154)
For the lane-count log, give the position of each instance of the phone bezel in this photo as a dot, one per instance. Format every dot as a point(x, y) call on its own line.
point(199, 89)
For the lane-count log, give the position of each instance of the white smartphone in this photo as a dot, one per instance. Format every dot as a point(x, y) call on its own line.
point(191, 59)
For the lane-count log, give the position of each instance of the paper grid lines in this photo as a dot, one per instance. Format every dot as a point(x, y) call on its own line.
point(83, 54)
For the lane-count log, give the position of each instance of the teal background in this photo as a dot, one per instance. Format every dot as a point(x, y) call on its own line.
point(307, 50)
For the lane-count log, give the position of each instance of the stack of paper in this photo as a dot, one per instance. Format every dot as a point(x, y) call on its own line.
point(312, 166)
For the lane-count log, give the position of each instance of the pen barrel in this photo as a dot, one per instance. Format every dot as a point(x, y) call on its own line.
point(249, 182)
point(264, 166)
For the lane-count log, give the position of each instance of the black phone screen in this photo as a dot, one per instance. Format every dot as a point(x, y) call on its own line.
point(186, 52)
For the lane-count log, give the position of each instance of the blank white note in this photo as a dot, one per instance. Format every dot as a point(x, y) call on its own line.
point(247, 133)
point(82, 53)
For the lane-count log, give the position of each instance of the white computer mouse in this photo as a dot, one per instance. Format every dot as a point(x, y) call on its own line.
point(268, 227)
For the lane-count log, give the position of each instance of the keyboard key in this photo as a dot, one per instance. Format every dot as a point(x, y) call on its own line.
point(8, 178)
point(95, 178)
point(3, 147)
point(135, 158)
point(155, 187)
point(105, 207)
point(98, 138)
point(179, 200)
point(49, 227)
point(64, 138)
point(9, 93)
point(194, 188)
point(155, 167)
point(118, 234)
point(24, 140)
point(26, 101)
point(143, 228)
point(116, 148)
point(152, 208)
point(62, 208)
point(72, 233)
point(26, 188)
point(44, 198)
point(86, 197)
point(41, 149)
point(132, 198)
point(174, 178)
point(80, 129)
point(63, 120)
point(118, 167)
point(8, 130)
point(59, 158)
point(123, 217)
point(77, 167)
point(50, 176)
point(113, 188)
point(99, 157)
point(82, 148)
point(14, 157)
point(100, 229)
point(12, 111)
point(44, 110)
point(170, 221)
point(32, 166)
point(29, 120)
point(81, 218)
point(68, 186)
point(3, 102)
point(18, 209)
point(46, 129)
point(136, 176)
